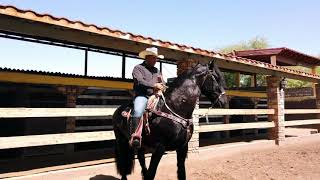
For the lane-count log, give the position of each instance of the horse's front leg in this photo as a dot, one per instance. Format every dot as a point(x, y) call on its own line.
point(181, 158)
point(155, 159)
point(142, 161)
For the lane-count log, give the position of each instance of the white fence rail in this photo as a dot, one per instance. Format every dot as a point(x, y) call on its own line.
point(64, 138)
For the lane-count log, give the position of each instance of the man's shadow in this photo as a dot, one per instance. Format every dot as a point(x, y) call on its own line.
point(104, 177)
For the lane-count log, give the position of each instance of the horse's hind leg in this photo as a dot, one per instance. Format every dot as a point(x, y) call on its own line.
point(155, 159)
point(142, 161)
point(124, 155)
point(181, 158)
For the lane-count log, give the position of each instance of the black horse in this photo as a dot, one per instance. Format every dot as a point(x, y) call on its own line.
point(171, 132)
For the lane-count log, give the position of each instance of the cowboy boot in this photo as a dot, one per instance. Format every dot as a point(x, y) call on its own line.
point(134, 140)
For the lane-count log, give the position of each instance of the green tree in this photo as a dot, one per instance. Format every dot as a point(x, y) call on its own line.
point(254, 43)
point(292, 83)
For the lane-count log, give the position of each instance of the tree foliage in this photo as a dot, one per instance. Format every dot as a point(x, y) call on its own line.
point(254, 43)
point(292, 83)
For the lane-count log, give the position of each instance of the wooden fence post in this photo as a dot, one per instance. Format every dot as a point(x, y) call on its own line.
point(275, 92)
point(71, 93)
point(183, 65)
point(226, 118)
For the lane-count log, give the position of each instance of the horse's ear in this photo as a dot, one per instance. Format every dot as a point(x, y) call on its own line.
point(200, 70)
point(212, 64)
point(198, 63)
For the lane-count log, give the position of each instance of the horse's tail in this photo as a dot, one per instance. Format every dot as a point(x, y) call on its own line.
point(124, 154)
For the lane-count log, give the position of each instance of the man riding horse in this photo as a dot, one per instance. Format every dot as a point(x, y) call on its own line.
point(147, 79)
point(170, 125)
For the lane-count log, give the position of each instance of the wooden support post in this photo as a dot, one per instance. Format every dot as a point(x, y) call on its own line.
point(276, 101)
point(194, 141)
point(160, 66)
point(86, 62)
point(255, 102)
point(313, 71)
point(273, 60)
point(71, 93)
point(254, 80)
point(317, 94)
point(123, 66)
point(238, 79)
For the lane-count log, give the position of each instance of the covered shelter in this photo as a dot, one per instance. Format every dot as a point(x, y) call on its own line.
point(45, 28)
point(280, 56)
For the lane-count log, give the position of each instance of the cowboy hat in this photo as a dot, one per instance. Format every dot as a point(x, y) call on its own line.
point(152, 51)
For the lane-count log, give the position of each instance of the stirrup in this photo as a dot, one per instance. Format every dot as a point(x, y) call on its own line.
point(135, 141)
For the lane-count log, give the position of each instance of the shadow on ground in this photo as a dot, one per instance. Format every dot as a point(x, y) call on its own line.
point(104, 177)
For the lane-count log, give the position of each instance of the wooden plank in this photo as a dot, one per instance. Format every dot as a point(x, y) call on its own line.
point(234, 111)
point(300, 98)
point(235, 126)
point(90, 128)
point(54, 112)
point(245, 93)
point(301, 111)
point(72, 112)
point(97, 106)
point(302, 122)
point(50, 139)
point(228, 92)
point(94, 118)
point(210, 123)
point(19, 77)
point(104, 97)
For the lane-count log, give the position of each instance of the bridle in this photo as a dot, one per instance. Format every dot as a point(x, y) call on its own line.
point(209, 73)
point(176, 117)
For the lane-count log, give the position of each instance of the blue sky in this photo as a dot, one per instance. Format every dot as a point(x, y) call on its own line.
point(206, 24)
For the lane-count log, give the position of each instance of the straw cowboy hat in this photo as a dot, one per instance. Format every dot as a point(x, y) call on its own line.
point(152, 51)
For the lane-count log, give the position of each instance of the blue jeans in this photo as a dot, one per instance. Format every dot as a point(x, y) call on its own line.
point(139, 103)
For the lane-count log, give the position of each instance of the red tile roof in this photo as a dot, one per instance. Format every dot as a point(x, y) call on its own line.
point(283, 51)
point(49, 19)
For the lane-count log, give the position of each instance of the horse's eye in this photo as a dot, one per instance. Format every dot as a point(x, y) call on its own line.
point(184, 100)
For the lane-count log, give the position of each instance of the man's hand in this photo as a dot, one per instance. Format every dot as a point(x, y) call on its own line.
point(159, 86)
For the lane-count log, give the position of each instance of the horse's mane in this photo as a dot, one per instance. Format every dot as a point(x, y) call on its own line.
point(188, 74)
point(178, 81)
point(219, 76)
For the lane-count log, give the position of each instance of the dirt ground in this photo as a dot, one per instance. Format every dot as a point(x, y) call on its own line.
point(298, 158)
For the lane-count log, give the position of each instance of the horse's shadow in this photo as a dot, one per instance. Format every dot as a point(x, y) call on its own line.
point(104, 177)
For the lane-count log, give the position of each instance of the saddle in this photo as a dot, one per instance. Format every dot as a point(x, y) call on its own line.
point(144, 121)
point(152, 108)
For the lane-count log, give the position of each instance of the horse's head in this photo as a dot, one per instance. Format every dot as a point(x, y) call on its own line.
point(212, 83)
